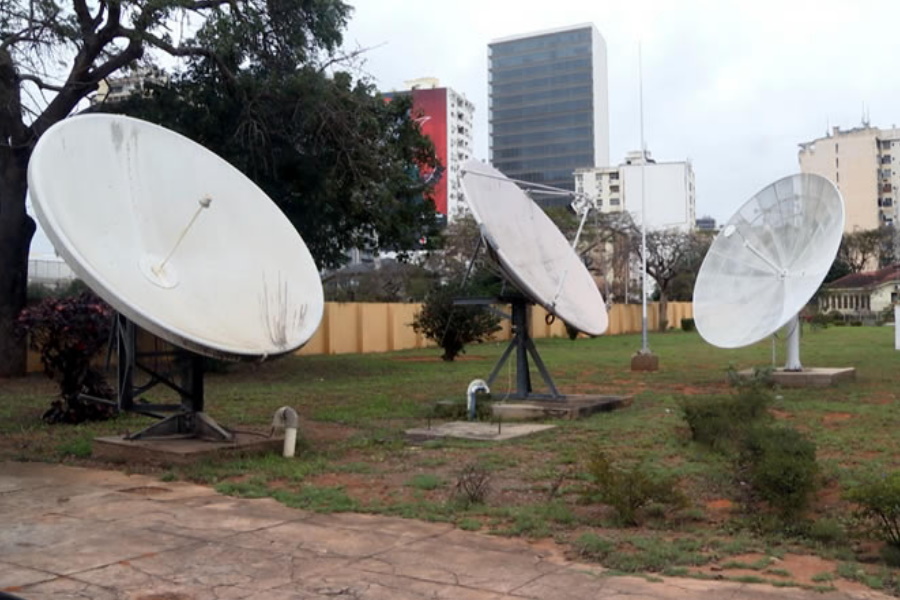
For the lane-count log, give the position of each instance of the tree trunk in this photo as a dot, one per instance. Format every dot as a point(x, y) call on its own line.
point(663, 311)
point(16, 231)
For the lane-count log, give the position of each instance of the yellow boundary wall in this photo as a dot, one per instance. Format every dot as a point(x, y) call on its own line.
point(356, 327)
point(361, 327)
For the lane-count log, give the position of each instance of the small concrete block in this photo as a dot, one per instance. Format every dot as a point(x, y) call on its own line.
point(645, 362)
point(474, 430)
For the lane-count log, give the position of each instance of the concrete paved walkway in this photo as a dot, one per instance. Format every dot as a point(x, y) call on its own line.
point(77, 533)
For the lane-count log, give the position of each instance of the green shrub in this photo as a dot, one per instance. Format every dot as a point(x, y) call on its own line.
point(424, 481)
point(879, 502)
point(827, 531)
point(688, 325)
point(721, 422)
point(856, 323)
point(820, 320)
point(591, 545)
point(452, 326)
point(628, 490)
point(781, 468)
point(836, 316)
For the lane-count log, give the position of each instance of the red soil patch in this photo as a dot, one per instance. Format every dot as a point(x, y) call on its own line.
point(836, 417)
point(721, 504)
point(781, 415)
point(801, 568)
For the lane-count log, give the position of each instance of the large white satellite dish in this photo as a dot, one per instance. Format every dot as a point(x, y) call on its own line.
point(767, 262)
point(531, 250)
point(180, 243)
point(533, 255)
point(175, 238)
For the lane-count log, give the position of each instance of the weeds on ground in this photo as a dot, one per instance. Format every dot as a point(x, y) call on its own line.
point(630, 489)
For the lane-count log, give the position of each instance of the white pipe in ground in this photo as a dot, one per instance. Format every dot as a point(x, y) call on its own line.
point(286, 418)
point(477, 385)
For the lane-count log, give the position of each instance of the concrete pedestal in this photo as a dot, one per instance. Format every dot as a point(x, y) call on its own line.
point(808, 377)
point(645, 362)
point(568, 407)
point(181, 451)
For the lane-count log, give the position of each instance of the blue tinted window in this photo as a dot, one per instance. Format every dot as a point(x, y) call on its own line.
point(499, 76)
point(544, 150)
point(524, 112)
point(585, 119)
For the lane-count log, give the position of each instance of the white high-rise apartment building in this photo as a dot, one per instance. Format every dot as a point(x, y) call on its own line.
point(669, 197)
point(861, 163)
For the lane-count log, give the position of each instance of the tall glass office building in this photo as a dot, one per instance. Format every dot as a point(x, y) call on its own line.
point(549, 104)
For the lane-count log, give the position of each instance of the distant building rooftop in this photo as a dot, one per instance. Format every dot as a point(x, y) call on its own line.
point(867, 279)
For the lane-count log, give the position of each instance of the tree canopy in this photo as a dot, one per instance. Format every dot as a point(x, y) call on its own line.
point(341, 162)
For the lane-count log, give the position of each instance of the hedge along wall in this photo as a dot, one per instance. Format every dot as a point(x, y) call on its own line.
point(361, 327)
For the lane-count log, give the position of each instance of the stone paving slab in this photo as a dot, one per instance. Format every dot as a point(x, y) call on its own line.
point(476, 430)
point(68, 533)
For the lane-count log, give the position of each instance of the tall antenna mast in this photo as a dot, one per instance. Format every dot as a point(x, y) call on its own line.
point(645, 345)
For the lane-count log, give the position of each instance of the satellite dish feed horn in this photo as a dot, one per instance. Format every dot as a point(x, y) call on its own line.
point(767, 262)
point(182, 245)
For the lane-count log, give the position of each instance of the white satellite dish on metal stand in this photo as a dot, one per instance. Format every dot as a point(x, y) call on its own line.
point(181, 244)
point(537, 259)
point(766, 263)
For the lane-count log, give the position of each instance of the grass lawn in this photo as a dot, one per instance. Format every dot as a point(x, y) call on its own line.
point(354, 409)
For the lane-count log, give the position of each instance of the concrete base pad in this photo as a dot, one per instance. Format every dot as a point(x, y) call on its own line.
point(568, 407)
point(474, 430)
point(808, 377)
point(180, 451)
point(645, 362)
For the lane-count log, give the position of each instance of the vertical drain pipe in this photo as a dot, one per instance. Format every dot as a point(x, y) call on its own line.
point(286, 418)
point(477, 385)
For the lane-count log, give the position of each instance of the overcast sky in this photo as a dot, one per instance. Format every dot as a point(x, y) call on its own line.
point(733, 86)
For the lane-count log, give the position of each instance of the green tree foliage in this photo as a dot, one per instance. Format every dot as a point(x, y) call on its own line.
point(53, 53)
point(341, 162)
point(781, 468)
point(452, 326)
point(879, 502)
point(672, 256)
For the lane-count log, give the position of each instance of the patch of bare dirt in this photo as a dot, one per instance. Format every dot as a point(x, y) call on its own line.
point(836, 417)
point(801, 569)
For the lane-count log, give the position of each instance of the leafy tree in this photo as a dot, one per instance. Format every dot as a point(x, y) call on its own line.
point(682, 287)
point(671, 253)
point(53, 53)
point(452, 326)
point(457, 260)
point(861, 250)
point(341, 162)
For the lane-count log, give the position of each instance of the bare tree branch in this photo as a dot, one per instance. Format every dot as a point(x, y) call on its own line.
point(41, 83)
